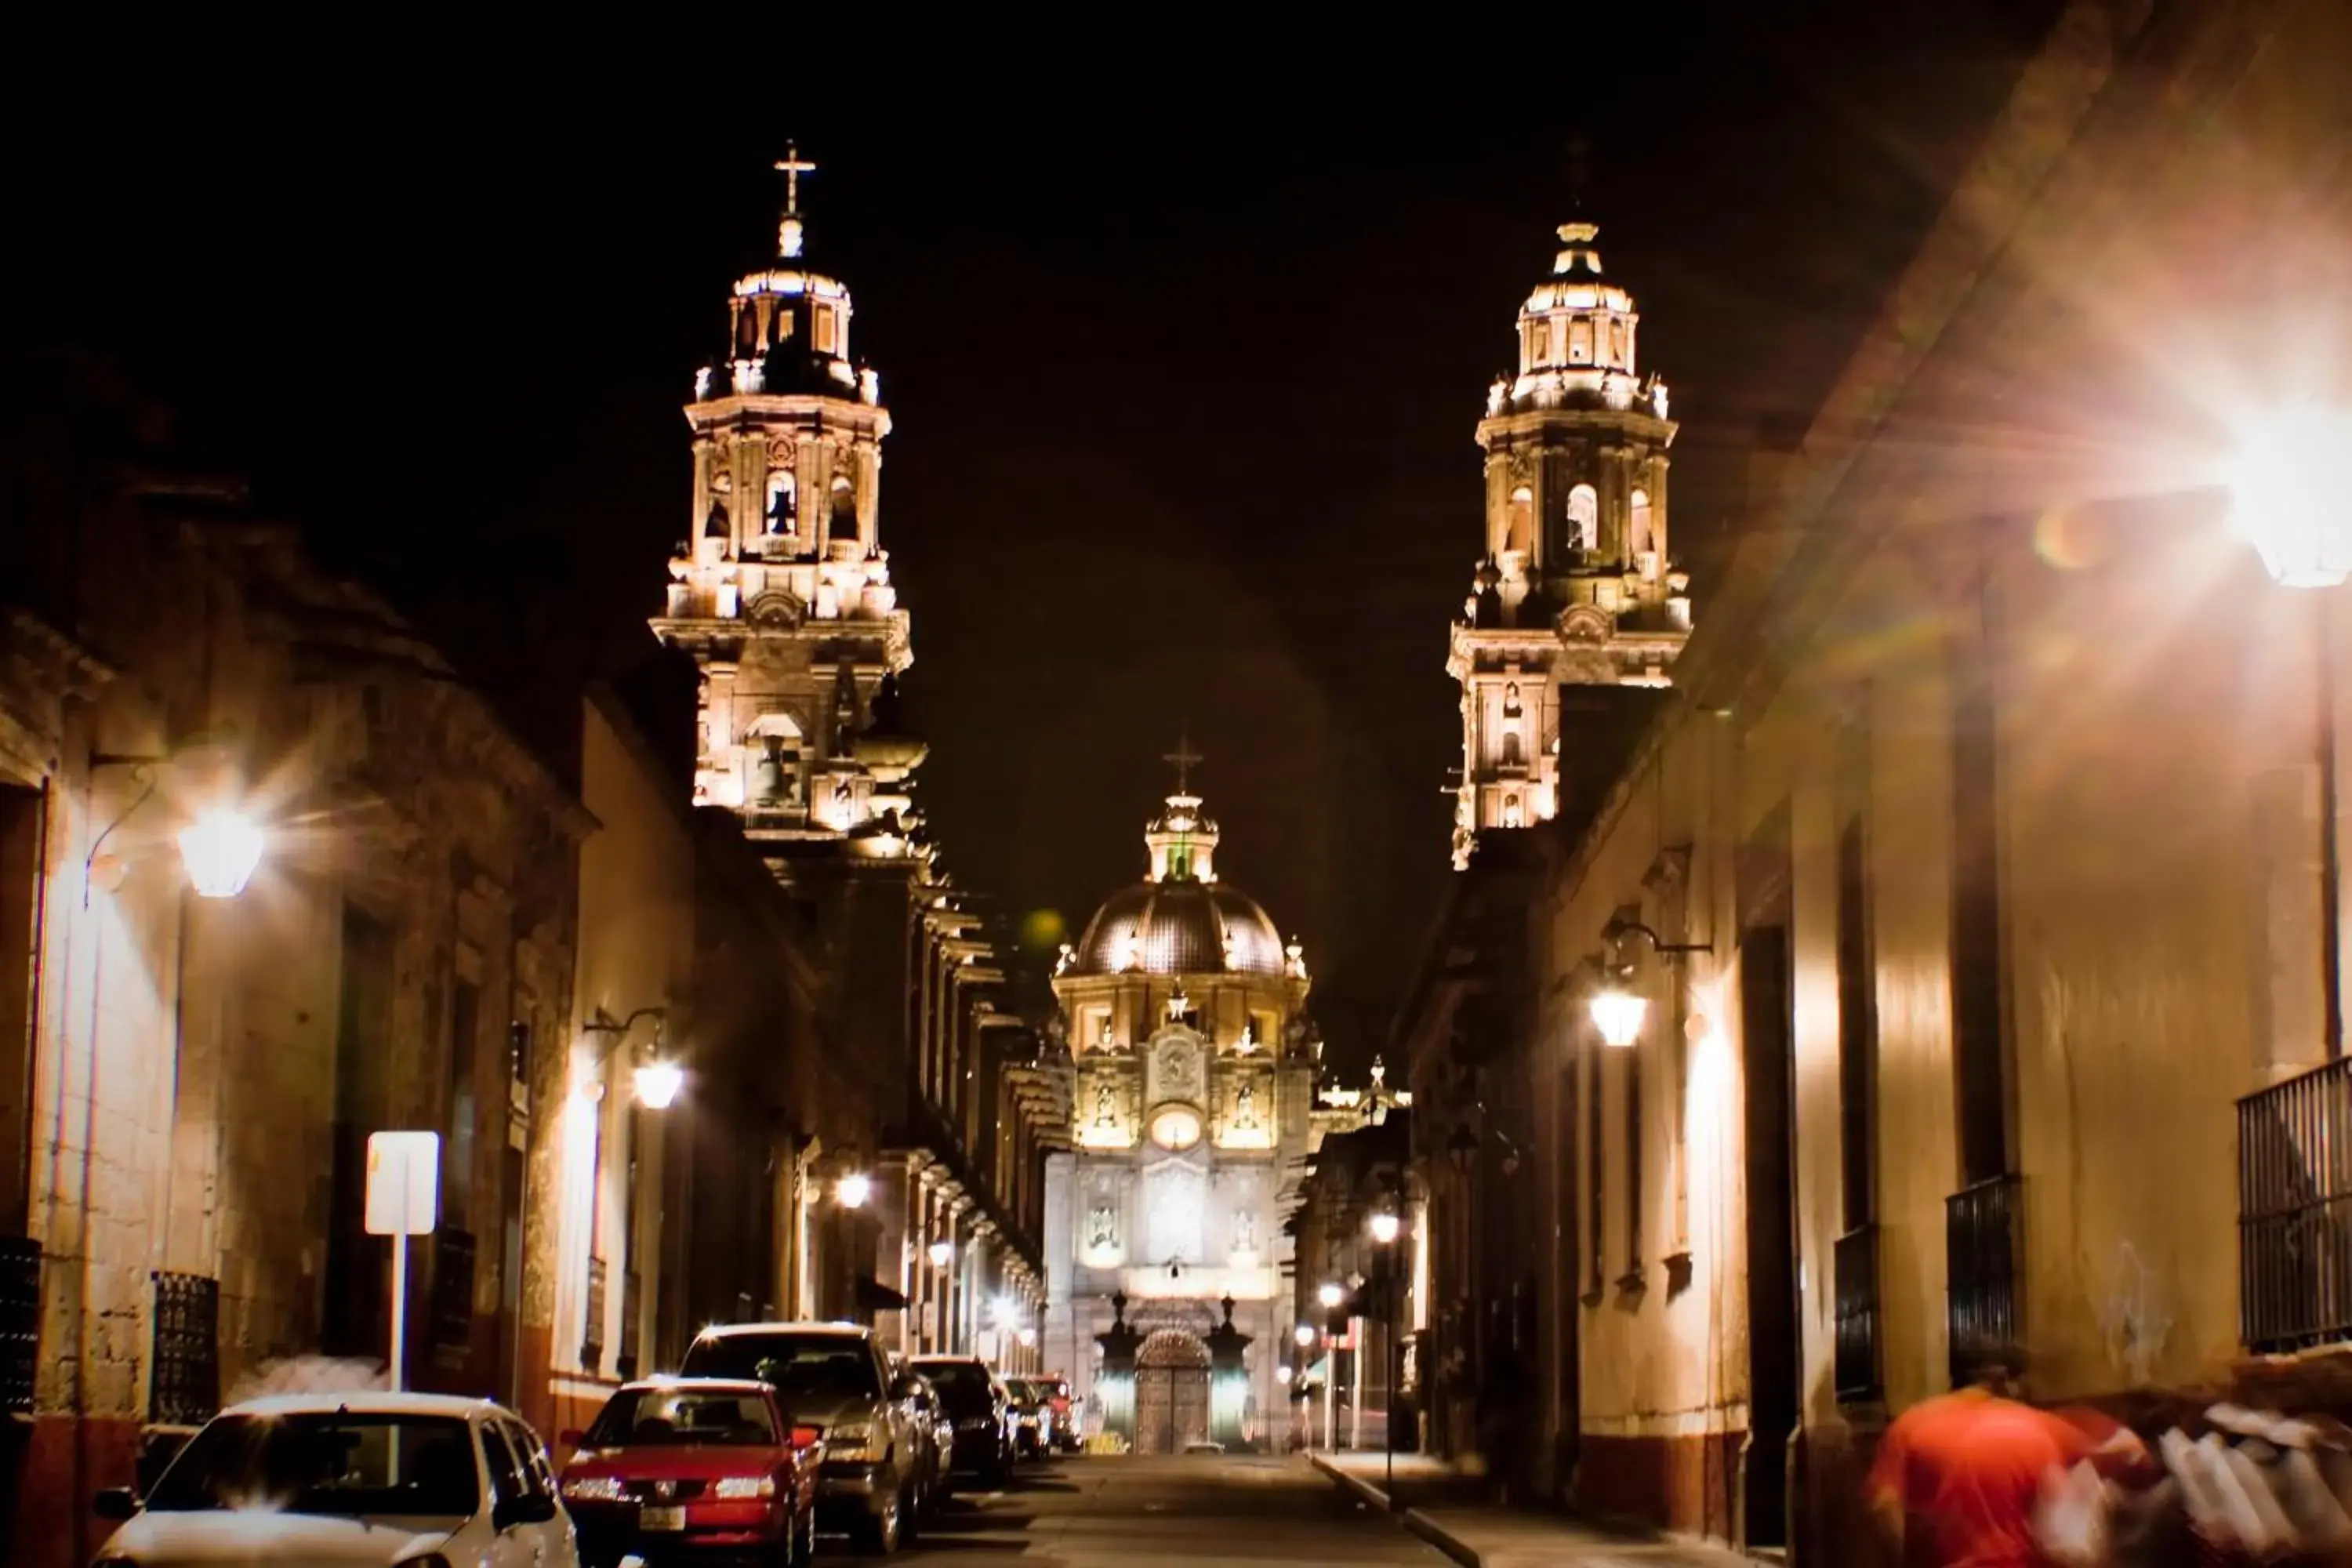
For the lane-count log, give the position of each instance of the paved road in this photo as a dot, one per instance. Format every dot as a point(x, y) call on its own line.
point(1202, 1512)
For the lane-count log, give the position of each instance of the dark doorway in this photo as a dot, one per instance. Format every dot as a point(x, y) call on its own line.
point(1774, 1353)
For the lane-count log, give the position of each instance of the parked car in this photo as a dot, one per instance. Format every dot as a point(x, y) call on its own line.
point(835, 1377)
point(703, 1466)
point(938, 1430)
point(1033, 1419)
point(1065, 1410)
point(349, 1478)
point(981, 1410)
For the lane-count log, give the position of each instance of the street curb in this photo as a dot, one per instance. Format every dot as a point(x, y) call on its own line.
point(1412, 1518)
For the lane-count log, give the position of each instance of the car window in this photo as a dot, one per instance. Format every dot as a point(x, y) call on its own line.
point(676, 1417)
point(507, 1482)
point(326, 1462)
point(537, 1480)
point(818, 1365)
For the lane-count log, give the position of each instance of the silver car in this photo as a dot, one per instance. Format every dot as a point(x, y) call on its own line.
point(838, 1378)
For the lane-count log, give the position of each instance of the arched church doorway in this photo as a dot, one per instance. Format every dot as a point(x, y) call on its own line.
point(1171, 1393)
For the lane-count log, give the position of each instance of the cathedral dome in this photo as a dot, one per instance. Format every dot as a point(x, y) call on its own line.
point(1180, 920)
point(1185, 927)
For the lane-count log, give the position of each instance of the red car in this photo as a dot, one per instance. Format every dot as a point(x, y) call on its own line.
point(686, 1466)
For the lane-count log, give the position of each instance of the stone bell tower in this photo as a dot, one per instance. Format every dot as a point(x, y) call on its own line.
point(781, 591)
point(1577, 585)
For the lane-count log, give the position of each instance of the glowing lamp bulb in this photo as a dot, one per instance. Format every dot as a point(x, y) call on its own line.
point(1304, 1334)
point(657, 1084)
point(942, 1253)
point(220, 849)
point(851, 1191)
point(1028, 1336)
point(1618, 1014)
point(1282, 1375)
point(1385, 1228)
point(1330, 1293)
point(2288, 495)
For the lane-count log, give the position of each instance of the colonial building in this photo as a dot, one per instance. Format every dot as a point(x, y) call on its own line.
point(1195, 1071)
point(1577, 587)
point(781, 594)
point(1954, 969)
point(271, 879)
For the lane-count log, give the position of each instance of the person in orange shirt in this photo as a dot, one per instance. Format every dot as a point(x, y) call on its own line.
point(1957, 1476)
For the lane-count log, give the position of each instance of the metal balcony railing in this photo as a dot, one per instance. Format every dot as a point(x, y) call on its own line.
point(2295, 1211)
point(1983, 1262)
point(20, 1322)
point(453, 1292)
point(1857, 1356)
point(187, 1390)
point(625, 1362)
point(592, 1327)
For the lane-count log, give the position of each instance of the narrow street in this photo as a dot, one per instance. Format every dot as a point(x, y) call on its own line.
point(1140, 1513)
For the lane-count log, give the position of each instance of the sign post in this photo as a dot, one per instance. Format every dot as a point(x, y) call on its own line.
point(404, 1199)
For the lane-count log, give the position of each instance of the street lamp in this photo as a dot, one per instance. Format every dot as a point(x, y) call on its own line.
point(657, 1083)
point(1330, 1294)
point(2288, 486)
point(852, 1189)
point(942, 1253)
point(1303, 1335)
point(220, 849)
point(1385, 1229)
point(1618, 1013)
point(2288, 489)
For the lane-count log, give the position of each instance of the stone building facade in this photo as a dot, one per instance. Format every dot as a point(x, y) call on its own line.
point(1979, 873)
point(192, 1077)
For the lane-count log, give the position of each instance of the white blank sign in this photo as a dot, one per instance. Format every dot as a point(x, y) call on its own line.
point(404, 1183)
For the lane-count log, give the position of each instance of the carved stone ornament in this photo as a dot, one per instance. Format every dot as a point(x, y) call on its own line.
point(1582, 623)
point(776, 607)
point(781, 454)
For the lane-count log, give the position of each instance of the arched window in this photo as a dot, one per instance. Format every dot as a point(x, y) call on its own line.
point(1640, 542)
point(1514, 755)
point(783, 502)
point(1513, 816)
point(1583, 517)
point(844, 510)
point(1511, 701)
point(1520, 523)
point(1579, 341)
point(747, 332)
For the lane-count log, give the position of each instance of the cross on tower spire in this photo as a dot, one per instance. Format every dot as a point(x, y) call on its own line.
point(1579, 173)
point(1185, 759)
point(792, 167)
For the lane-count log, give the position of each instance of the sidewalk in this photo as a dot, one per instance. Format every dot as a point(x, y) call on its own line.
point(1449, 1510)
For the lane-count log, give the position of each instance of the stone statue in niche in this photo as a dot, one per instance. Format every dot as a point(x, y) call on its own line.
point(1244, 1231)
point(1245, 1108)
point(1105, 1106)
point(1102, 1228)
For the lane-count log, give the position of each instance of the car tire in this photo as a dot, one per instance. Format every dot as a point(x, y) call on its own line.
point(910, 1514)
point(880, 1532)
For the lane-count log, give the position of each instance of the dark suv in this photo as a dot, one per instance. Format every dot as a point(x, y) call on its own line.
point(982, 1411)
point(835, 1377)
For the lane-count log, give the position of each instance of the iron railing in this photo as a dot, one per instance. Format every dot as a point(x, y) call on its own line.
point(1857, 1357)
point(625, 1364)
point(1984, 1304)
point(591, 1327)
point(187, 1390)
point(2295, 1211)
point(452, 1307)
point(20, 1322)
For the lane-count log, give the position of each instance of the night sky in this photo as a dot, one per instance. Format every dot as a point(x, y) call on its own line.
point(1184, 347)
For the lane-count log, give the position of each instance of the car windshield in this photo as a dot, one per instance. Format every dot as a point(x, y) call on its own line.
point(327, 1462)
point(1022, 1393)
point(657, 1417)
point(962, 1385)
point(822, 1366)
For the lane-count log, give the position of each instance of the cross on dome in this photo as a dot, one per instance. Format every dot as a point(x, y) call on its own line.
point(792, 167)
point(1185, 759)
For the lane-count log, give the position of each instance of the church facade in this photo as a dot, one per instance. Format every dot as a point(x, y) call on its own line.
point(1196, 1100)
